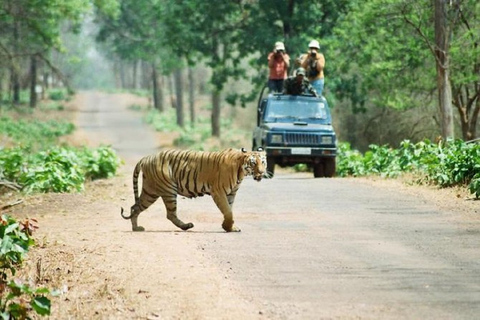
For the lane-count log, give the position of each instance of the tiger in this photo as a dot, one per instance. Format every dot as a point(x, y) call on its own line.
point(192, 174)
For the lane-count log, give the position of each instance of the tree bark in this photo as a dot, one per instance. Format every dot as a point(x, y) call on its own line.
point(157, 90)
point(15, 85)
point(442, 34)
point(15, 77)
point(179, 97)
point(33, 81)
point(191, 96)
point(216, 96)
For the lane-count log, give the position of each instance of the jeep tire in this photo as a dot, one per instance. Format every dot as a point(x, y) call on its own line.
point(329, 167)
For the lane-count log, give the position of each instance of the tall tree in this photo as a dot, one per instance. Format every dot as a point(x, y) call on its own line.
point(391, 54)
point(32, 29)
point(442, 56)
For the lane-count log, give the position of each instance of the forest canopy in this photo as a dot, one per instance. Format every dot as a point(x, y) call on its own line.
point(397, 69)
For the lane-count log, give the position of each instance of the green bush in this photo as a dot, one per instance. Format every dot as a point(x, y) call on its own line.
point(34, 132)
point(18, 299)
point(58, 169)
point(100, 163)
point(193, 137)
point(58, 94)
point(453, 163)
point(55, 170)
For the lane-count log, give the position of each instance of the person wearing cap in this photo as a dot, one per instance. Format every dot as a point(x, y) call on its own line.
point(298, 84)
point(278, 63)
point(314, 63)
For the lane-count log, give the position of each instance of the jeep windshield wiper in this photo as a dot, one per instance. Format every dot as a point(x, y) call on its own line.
point(284, 117)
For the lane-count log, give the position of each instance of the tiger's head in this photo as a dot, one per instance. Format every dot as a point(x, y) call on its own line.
point(255, 163)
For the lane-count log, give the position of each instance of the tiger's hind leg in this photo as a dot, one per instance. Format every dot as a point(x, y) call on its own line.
point(225, 204)
point(171, 206)
point(134, 213)
point(145, 200)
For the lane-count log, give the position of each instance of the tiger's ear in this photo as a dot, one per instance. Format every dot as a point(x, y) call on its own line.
point(244, 150)
point(259, 149)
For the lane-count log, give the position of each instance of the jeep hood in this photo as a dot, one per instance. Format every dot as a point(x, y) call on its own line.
point(298, 126)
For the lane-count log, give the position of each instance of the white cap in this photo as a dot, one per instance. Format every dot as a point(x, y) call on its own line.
point(279, 46)
point(314, 44)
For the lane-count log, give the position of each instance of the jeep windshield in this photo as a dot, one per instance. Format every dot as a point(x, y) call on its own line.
point(288, 111)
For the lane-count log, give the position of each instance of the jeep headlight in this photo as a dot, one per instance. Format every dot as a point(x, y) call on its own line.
point(327, 139)
point(276, 138)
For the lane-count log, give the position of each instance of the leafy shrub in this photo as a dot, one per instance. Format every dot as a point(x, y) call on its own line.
point(453, 163)
point(18, 299)
point(34, 132)
point(57, 94)
point(100, 163)
point(11, 161)
point(195, 137)
point(58, 169)
point(349, 162)
point(55, 170)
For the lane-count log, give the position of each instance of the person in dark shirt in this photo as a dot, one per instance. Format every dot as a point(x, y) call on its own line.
point(298, 84)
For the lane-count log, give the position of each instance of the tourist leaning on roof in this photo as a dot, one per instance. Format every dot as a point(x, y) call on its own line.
point(298, 84)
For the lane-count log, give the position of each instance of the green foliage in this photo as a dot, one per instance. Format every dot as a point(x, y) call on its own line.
point(34, 132)
point(454, 163)
point(58, 94)
point(349, 162)
point(55, 170)
point(193, 137)
point(58, 169)
point(18, 299)
point(99, 163)
point(162, 121)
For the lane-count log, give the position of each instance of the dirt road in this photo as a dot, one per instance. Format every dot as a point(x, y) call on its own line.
point(309, 248)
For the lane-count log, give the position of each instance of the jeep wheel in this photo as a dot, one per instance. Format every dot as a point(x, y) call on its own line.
point(270, 166)
point(329, 167)
point(318, 170)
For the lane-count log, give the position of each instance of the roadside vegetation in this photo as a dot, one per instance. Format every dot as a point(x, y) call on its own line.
point(455, 163)
point(19, 299)
point(35, 161)
point(32, 160)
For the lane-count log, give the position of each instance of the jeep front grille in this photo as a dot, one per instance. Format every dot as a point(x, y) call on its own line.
point(302, 139)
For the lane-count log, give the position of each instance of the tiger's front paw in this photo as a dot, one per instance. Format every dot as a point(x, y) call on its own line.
point(235, 229)
point(139, 228)
point(230, 227)
point(186, 226)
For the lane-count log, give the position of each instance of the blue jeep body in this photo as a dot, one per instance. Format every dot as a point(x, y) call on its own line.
point(296, 129)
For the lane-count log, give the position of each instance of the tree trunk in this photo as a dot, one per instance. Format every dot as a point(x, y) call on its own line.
point(157, 90)
point(123, 78)
point(33, 81)
point(146, 72)
point(15, 85)
point(179, 97)
point(135, 75)
point(216, 95)
point(442, 34)
point(191, 96)
point(15, 77)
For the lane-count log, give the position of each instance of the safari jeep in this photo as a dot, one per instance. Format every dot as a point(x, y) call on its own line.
point(296, 129)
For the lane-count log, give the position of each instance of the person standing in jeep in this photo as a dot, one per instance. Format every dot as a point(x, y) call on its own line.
point(297, 84)
point(278, 63)
point(314, 63)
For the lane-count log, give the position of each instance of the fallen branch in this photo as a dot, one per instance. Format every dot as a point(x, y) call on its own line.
point(10, 185)
point(11, 204)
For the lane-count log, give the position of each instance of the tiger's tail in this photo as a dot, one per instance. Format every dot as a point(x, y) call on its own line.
point(136, 173)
